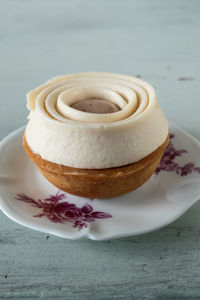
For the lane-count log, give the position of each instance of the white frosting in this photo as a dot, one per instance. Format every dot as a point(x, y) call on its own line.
point(64, 135)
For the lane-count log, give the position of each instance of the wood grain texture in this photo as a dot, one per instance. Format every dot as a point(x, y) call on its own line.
point(152, 39)
point(158, 265)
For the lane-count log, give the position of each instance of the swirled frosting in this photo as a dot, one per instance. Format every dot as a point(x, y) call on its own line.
point(62, 134)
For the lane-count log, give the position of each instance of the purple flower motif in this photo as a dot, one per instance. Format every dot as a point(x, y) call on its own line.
point(61, 212)
point(86, 209)
point(168, 164)
point(187, 169)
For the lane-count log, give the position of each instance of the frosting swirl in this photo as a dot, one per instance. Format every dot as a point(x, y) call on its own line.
point(68, 136)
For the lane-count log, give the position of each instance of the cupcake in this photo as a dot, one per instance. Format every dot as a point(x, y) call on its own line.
point(95, 135)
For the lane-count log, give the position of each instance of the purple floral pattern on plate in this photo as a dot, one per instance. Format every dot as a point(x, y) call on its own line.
point(168, 164)
point(59, 211)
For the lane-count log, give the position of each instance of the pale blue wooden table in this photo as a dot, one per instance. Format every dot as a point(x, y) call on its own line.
point(157, 40)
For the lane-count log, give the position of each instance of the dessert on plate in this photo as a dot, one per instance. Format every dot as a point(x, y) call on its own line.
point(95, 135)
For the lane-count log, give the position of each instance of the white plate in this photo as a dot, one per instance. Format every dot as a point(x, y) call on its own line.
point(160, 201)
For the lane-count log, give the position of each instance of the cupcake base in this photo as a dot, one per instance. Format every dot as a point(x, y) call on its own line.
point(98, 183)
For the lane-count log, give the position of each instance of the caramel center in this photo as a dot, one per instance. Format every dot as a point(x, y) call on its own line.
point(98, 106)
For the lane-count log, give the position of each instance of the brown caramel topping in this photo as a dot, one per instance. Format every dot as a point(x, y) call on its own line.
point(98, 106)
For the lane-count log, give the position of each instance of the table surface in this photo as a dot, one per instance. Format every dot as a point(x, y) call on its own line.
point(157, 40)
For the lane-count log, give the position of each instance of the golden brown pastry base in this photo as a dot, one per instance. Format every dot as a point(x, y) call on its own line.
point(103, 183)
